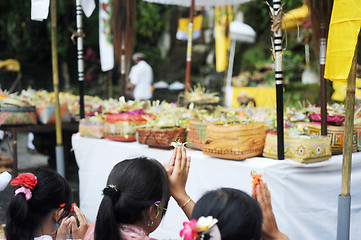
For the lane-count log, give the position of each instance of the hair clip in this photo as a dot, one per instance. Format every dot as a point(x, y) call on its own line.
point(25, 191)
point(197, 228)
point(111, 191)
point(27, 180)
point(157, 204)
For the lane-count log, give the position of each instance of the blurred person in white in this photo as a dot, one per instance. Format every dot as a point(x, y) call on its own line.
point(141, 78)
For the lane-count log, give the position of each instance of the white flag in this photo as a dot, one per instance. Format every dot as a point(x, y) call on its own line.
point(39, 9)
point(88, 7)
point(105, 38)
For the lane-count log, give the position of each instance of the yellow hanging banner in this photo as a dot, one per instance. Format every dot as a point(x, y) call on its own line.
point(223, 17)
point(342, 38)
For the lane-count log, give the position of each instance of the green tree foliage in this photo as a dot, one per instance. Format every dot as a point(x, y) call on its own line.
point(152, 20)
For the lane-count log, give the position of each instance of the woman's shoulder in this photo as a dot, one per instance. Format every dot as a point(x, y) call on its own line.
point(89, 235)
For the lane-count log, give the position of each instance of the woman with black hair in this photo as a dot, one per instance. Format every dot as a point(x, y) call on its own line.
point(137, 194)
point(239, 216)
point(42, 200)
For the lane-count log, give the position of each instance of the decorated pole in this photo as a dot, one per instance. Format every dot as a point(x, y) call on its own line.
point(323, 81)
point(80, 51)
point(59, 143)
point(277, 36)
point(189, 49)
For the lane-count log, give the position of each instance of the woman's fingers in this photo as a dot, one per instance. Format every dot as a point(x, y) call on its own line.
point(81, 216)
point(178, 160)
point(172, 158)
point(188, 165)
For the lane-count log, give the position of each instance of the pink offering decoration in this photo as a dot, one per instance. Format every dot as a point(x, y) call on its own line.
point(334, 118)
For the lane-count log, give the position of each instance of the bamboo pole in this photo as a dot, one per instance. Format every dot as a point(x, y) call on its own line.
point(59, 142)
point(349, 128)
point(344, 199)
point(189, 49)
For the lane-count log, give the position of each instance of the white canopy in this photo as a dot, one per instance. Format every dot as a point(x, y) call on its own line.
point(242, 32)
point(187, 3)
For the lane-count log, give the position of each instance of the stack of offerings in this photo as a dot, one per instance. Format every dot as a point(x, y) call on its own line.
point(122, 126)
point(15, 111)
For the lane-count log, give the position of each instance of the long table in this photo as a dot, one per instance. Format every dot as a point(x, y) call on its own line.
point(304, 197)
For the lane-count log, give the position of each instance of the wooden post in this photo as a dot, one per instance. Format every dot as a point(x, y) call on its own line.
point(189, 50)
point(323, 81)
point(349, 128)
point(54, 53)
point(55, 72)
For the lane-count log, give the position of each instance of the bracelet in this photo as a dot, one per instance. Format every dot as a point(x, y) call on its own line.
point(185, 204)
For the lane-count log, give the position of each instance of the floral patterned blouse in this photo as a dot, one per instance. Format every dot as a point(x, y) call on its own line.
point(128, 232)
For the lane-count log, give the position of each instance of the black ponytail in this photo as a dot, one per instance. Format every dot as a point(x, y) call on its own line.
point(133, 186)
point(24, 217)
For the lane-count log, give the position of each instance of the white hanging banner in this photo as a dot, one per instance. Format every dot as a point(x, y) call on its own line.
point(39, 9)
point(88, 7)
point(105, 39)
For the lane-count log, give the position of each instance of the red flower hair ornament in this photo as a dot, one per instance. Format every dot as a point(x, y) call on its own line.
point(26, 182)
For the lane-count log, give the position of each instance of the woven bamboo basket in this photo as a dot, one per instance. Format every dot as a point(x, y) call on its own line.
point(336, 134)
point(236, 142)
point(161, 138)
point(196, 134)
point(299, 149)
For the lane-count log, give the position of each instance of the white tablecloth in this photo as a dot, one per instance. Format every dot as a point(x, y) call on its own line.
point(304, 197)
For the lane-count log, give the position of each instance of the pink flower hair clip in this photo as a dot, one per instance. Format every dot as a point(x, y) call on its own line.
point(26, 182)
point(196, 229)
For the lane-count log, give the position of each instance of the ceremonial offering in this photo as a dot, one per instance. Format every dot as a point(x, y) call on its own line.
point(236, 142)
point(336, 134)
point(161, 138)
point(91, 127)
point(16, 115)
point(196, 134)
point(122, 126)
point(256, 180)
point(300, 149)
point(336, 120)
point(46, 113)
point(199, 95)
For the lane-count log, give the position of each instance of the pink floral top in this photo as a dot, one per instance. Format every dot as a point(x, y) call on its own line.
point(128, 232)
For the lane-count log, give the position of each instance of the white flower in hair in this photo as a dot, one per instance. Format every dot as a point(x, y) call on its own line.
point(205, 223)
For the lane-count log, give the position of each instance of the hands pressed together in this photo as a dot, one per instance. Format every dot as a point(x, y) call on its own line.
point(270, 230)
point(70, 224)
point(177, 169)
